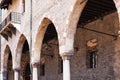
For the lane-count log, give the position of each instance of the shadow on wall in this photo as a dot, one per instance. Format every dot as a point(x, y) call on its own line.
point(103, 65)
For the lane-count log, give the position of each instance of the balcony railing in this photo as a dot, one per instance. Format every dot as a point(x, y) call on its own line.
point(12, 17)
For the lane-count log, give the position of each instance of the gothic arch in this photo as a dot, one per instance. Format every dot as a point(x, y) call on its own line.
point(39, 39)
point(68, 36)
point(76, 13)
point(19, 49)
point(6, 54)
point(93, 26)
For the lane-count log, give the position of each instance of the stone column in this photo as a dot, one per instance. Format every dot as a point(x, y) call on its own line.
point(4, 75)
point(66, 67)
point(35, 71)
point(16, 74)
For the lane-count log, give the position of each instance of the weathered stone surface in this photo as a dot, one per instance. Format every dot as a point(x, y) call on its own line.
point(56, 11)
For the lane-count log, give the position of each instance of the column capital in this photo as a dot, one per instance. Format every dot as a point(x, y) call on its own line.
point(35, 64)
point(66, 57)
point(16, 69)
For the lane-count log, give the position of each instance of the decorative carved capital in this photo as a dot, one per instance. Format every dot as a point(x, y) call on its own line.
point(16, 69)
point(35, 65)
point(67, 55)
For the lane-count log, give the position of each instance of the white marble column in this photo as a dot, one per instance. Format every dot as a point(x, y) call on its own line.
point(16, 74)
point(66, 67)
point(35, 71)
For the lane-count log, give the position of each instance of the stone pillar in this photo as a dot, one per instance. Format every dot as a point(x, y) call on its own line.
point(16, 74)
point(35, 71)
point(66, 67)
point(4, 75)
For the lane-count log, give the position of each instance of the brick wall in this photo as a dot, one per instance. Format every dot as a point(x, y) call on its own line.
point(108, 53)
point(108, 67)
point(108, 57)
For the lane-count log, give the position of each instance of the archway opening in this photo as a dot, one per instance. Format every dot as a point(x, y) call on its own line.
point(95, 41)
point(9, 68)
point(50, 58)
point(27, 72)
point(25, 47)
point(7, 64)
point(25, 62)
point(23, 57)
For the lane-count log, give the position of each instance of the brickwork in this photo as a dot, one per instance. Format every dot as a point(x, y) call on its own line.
point(108, 53)
point(106, 58)
point(65, 18)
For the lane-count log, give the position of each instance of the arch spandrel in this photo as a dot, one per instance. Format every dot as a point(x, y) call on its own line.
point(66, 48)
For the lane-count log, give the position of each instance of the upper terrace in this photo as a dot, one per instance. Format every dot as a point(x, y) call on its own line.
point(6, 27)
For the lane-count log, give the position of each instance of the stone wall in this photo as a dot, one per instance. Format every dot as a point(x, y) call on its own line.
point(108, 67)
point(107, 55)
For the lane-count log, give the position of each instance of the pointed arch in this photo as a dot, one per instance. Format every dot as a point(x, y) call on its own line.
point(68, 37)
point(92, 26)
point(19, 50)
point(39, 39)
point(6, 54)
point(5, 64)
point(75, 14)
